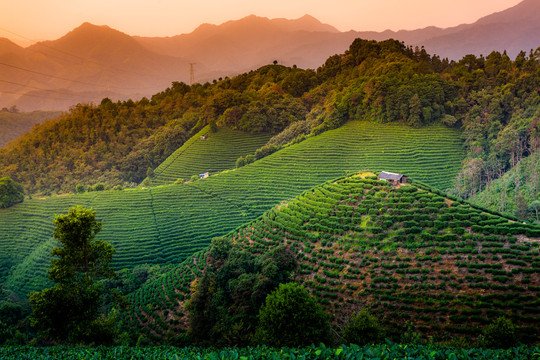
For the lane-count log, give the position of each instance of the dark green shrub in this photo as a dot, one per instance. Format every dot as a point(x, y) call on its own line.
point(11, 193)
point(291, 317)
point(500, 334)
point(99, 187)
point(363, 329)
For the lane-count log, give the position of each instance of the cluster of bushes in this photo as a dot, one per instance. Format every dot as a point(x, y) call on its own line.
point(80, 188)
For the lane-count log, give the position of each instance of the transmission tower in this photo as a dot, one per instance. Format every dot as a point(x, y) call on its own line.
point(192, 73)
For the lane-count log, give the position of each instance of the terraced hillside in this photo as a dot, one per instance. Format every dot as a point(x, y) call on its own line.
point(216, 152)
point(166, 224)
point(411, 255)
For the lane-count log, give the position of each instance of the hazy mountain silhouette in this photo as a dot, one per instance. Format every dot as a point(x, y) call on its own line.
point(7, 46)
point(241, 45)
point(513, 30)
point(87, 64)
point(92, 62)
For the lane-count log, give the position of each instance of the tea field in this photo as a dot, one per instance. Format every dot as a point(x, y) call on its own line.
point(208, 152)
point(166, 224)
point(411, 255)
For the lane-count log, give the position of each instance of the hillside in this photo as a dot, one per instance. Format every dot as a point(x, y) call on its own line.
point(493, 100)
point(416, 259)
point(166, 224)
point(14, 124)
point(213, 153)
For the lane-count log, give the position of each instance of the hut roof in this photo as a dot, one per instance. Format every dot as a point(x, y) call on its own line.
point(390, 176)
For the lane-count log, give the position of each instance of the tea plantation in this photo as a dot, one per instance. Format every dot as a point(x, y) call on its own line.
point(166, 224)
point(208, 152)
point(417, 259)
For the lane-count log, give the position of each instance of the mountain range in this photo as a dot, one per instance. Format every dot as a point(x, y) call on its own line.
point(92, 62)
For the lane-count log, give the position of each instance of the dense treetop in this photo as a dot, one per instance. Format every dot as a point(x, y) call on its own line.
point(11, 192)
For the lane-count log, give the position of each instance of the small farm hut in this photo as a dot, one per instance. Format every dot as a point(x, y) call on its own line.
point(204, 176)
point(394, 178)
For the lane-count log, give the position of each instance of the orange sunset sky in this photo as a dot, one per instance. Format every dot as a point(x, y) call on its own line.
point(25, 20)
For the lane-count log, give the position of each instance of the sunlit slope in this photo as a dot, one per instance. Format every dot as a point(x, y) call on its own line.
point(166, 224)
point(417, 259)
point(217, 152)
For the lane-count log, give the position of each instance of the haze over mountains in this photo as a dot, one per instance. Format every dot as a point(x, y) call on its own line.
point(92, 62)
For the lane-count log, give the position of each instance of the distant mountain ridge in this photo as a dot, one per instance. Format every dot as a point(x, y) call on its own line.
point(92, 62)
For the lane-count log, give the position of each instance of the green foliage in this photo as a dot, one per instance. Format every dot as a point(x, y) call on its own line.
point(534, 208)
point(69, 311)
point(320, 352)
point(291, 317)
point(226, 300)
point(11, 193)
point(501, 334)
point(362, 329)
point(81, 256)
point(518, 186)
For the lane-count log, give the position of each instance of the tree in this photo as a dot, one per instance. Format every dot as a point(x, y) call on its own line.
point(291, 317)
point(501, 333)
point(69, 311)
point(11, 193)
point(522, 209)
point(362, 329)
point(534, 208)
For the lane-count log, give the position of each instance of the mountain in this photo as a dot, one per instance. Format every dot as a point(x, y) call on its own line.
point(513, 30)
point(410, 255)
point(87, 64)
point(245, 44)
point(7, 46)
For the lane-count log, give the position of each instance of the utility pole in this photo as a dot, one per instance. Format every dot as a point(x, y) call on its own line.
point(192, 73)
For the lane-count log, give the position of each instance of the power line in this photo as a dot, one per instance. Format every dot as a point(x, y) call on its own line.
point(47, 75)
point(64, 79)
point(35, 87)
point(192, 73)
point(37, 96)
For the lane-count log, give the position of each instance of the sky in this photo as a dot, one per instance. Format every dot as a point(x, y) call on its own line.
point(25, 21)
